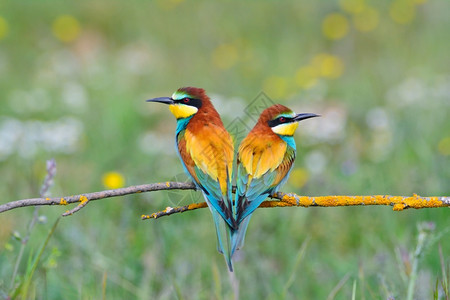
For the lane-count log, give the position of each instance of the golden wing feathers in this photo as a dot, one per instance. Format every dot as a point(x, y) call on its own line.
point(260, 156)
point(211, 150)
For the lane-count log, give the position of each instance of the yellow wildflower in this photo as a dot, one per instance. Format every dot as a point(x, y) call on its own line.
point(113, 180)
point(335, 26)
point(66, 28)
point(367, 19)
point(4, 28)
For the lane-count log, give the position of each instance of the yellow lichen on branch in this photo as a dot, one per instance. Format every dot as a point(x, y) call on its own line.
point(398, 203)
point(83, 199)
point(83, 202)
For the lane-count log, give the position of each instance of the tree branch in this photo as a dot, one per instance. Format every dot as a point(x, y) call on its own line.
point(398, 202)
point(84, 198)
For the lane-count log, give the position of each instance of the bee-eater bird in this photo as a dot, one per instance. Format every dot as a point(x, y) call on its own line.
point(264, 162)
point(206, 151)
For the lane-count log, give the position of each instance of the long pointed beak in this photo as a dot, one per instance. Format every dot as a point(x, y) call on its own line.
point(300, 117)
point(165, 100)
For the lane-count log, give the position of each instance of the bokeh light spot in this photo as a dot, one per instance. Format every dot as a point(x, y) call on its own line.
point(330, 66)
point(352, 6)
point(225, 56)
point(66, 28)
point(113, 180)
point(402, 11)
point(4, 28)
point(275, 86)
point(335, 26)
point(444, 146)
point(299, 177)
point(366, 20)
point(307, 77)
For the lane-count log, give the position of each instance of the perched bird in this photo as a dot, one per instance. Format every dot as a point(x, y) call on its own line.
point(206, 151)
point(264, 161)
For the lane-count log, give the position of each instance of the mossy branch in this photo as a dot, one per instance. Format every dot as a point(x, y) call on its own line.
point(397, 202)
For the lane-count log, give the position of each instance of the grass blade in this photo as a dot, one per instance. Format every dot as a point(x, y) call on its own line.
point(298, 259)
point(24, 286)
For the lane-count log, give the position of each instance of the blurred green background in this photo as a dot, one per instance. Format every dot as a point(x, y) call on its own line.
point(74, 77)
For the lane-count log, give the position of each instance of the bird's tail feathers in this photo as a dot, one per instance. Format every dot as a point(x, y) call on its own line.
point(224, 238)
point(238, 236)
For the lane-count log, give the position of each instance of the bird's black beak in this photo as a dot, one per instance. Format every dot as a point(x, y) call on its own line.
point(165, 100)
point(300, 117)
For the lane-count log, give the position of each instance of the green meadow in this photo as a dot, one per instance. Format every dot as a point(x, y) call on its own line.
point(74, 77)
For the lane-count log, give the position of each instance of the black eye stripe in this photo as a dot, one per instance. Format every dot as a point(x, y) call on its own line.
point(190, 101)
point(280, 120)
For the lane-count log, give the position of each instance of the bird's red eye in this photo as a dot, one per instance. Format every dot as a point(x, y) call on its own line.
point(282, 119)
point(186, 100)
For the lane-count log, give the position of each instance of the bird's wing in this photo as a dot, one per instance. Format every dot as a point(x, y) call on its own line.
point(208, 156)
point(261, 169)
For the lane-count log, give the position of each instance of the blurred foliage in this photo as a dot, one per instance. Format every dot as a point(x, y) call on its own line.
point(73, 80)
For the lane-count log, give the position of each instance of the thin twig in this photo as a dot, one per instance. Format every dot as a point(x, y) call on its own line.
point(83, 202)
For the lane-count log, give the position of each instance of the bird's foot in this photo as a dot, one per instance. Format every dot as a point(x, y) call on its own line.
point(274, 195)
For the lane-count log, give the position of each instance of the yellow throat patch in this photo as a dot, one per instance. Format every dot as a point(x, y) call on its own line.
point(181, 111)
point(285, 129)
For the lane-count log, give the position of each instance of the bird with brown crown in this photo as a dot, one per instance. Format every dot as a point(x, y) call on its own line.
point(264, 162)
point(206, 152)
